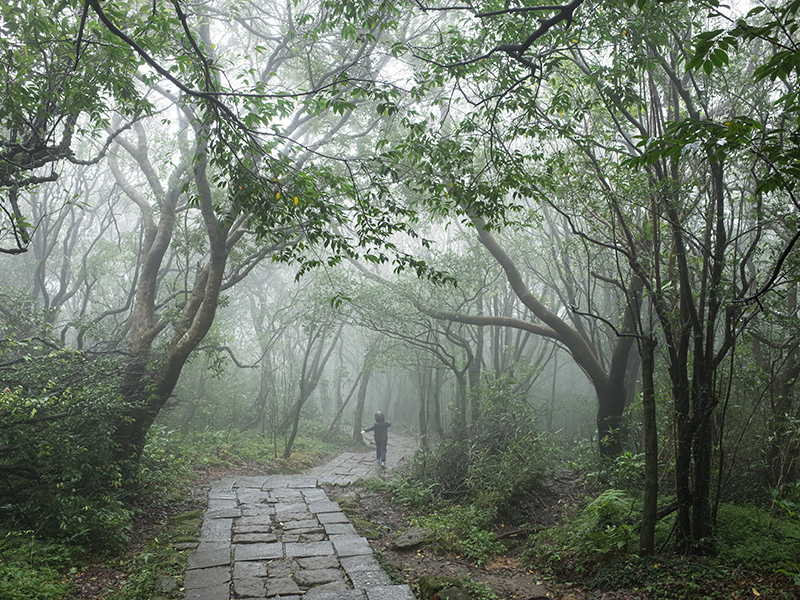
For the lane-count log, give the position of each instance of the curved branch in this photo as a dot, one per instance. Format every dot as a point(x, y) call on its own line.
point(496, 321)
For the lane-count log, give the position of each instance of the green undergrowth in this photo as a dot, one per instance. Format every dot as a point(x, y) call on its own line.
point(35, 569)
point(462, 529)
point(471, 486)
point(365, 527)
point(156, 571)
point(231, 449)
point(758, 552)
point(479, 590)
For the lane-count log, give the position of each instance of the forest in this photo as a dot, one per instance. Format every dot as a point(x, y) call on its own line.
point(551, 242)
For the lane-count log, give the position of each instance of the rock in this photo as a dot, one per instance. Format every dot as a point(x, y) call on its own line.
point(539, 592)
point(181, 546)
point(431, 585)
point(413, 537)
point(166, 584)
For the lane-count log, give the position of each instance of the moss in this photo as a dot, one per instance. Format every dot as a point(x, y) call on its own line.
point(430, 585)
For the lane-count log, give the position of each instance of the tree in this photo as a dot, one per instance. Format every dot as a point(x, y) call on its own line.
point(249, 159)
point(59, 72)
point(608, 124)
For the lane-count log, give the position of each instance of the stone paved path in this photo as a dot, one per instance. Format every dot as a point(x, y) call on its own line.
point(281, 537)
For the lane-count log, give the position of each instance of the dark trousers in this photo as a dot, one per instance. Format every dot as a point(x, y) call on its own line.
point(380, 449)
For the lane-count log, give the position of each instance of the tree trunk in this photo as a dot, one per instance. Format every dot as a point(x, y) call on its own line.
point(475, 370)
point(436, 428)
point(358, 417)
point(309, 378)
point(424, 387)
point(650, 500)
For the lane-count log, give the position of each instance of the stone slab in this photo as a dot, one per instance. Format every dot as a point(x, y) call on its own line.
point(302, 549)
point(257, 510)
point(313, 494)
point(215, 530)
point(252, 496)
point(250, 482)
point(281, 586)
point(303, 481)
point(350, 545)
point(284, 567)
point(291, 508)
point(389, 592)
point(248, 569)
point(328, 594)
point(275, 482)
point(254, 538)
point(281, 516)
point(333, 517)
point(312, 577)
point(221, 494)
point(305, 524)
point(368, 578)
point(222, 503)
point(249, 587)
point(324, 506)
point(359, 563)
point(210, 555)
point(245, 529)
point(257, 551)
point(339, 529)
point(256, 521)
point(319, 562)
point(223, 485)
point(203, 578)
point(209, 593)
point(286, 495)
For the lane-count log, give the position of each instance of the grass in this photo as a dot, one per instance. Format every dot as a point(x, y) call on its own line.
point(34, 569)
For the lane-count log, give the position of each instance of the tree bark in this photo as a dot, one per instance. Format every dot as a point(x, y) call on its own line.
point(650, 499)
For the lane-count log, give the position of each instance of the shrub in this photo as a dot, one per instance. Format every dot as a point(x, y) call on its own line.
point(58, 415)
point(464, 530)
point(163, 468)
point(604, 530)
point(496, 463)
point(605, 526)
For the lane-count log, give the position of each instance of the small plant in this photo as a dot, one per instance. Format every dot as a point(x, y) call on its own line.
point(408, 491)
point(604, 530)
point(478, 590)
point(463, 530)
point(30, 568)
point(394, 575)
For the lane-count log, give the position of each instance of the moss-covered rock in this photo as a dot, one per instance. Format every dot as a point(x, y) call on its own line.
point(431, 585)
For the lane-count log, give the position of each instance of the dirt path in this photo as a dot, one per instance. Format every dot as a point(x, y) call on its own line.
point(505, 575)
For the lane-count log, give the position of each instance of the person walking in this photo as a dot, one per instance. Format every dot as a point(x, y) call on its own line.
point(380, 427)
